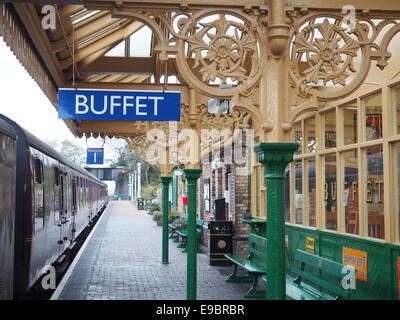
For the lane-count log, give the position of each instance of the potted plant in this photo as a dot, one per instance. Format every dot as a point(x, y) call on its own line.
point(173, 215)
point(155, 206)
point(157, 216)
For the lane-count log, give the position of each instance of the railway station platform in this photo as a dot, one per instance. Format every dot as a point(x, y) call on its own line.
point(121, 260)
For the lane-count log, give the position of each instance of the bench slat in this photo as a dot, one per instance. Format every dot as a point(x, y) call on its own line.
point(318, 262)
point(258, 240)
point(320, 282)
point(257, 253)
point(246, 264)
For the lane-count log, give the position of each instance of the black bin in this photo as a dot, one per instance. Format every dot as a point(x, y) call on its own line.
point(219, 209)
point(219, 242)
point(140, 204)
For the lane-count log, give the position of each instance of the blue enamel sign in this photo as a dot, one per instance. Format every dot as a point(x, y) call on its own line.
point(92, 104)
point(95, 156)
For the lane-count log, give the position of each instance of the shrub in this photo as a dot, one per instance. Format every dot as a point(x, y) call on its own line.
point(157, 215)
point(155, 206)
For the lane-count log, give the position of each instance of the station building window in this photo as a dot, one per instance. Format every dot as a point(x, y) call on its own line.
point(349, 123)
point(350, 191)
point(330, 191)
point(298, 191)
point(329, 129)
point(311, 143)
point(350, 151)
point(311, 195)
point(372, 116)
point(373, 182)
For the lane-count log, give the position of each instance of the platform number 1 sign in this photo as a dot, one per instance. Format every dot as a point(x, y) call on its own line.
point(95, 156)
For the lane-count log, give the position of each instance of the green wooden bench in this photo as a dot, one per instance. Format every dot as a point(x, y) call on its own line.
point(255, 264)
point(304, 286)
point(174, 234)
point(183, 234)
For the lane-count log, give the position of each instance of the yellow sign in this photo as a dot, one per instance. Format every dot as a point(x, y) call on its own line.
point(357, 259)
point(310, 245)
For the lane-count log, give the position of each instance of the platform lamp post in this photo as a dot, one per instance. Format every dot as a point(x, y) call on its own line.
point(165, 197)
point(275, 157)
point(191, 176)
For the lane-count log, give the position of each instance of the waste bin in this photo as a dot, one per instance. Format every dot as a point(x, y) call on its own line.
point(219, 209)
point(219, 242)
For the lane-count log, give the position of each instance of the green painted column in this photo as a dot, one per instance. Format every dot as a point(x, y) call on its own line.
point(174, 191)
point(275, 157)
point(191, 176)
point(165, 182)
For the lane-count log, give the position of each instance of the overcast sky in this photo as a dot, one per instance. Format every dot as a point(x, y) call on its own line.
point(22, 100)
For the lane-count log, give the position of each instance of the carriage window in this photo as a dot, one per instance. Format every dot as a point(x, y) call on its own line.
point(56, 195)
point(38, 194)
point(38, 171)
point(56, 177)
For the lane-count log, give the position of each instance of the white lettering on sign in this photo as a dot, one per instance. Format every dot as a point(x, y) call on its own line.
point(79, 103)
point(156, 103)
point(111, 103)
point(92, 106)
point(114, 104)
point(126, 104)
point(139, 105)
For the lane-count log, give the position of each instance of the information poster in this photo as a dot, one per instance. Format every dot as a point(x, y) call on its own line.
point(310, 245)
point(357, 259)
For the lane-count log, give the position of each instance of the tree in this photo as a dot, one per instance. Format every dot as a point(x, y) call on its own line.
point(149, 175)
point(69, 149)
point(73, 152)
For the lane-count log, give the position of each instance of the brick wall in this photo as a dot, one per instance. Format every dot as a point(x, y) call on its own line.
point(238, 194)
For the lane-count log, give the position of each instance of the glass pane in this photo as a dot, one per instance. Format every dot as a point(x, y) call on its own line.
point(396, 109)
point(350, 199)
point(311, 144)
point(39, 209)
point(330, 192)
point(117, 51)
point(298, 196)
point(350, 123)
point(140, 43)
point(329, 121)
point(372, 108)
point(298, 136)
point(374, 192)
point(311, 197)
point(396, 190)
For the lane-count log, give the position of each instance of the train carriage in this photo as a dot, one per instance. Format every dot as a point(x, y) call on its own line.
point(55, 200)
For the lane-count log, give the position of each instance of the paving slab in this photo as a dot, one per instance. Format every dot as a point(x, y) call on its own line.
point(122, 261)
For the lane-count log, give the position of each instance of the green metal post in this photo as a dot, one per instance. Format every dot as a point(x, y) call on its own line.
point(191, 176)
point(174, 191)
point(275, 157)
point(165, 182)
